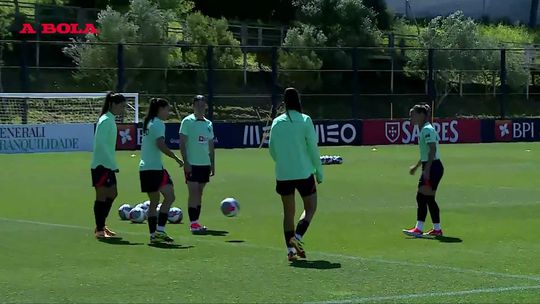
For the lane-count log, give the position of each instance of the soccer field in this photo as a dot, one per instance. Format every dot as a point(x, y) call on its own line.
point(490, 211)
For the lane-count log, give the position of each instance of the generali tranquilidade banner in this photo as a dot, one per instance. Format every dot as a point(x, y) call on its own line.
point(388, 132)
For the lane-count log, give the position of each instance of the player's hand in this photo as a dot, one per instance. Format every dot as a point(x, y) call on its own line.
point(318, 178)
point(187, 168)
point(412, 169)
point(212, 170)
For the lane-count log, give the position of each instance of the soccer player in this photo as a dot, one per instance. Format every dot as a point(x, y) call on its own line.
point(197, 148)
point(154, 178)
point(104, 165)
point(293, 147)
point(432, 173)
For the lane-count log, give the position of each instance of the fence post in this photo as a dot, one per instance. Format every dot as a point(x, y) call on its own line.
point(355, 99)
point(120, 81)
point(24, 80)
point(210, 80)
point(275, 93)
point(432, 92)
point(504, 86)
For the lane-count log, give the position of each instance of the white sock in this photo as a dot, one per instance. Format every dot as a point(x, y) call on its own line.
point(437, 226)
point(161, 228)
point(152, 234)
point(419, 225)
point(298, 236)
point(291, 249)
point(195, 222)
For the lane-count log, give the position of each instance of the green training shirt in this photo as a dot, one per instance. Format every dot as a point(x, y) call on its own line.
point(105, 142)
point(293, 146)
point(199, 133)
point(150, 153)
point(428, 135)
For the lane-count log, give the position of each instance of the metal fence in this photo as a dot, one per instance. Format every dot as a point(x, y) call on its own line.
point(243, 83)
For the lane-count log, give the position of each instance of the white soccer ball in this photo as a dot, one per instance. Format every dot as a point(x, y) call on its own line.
point(175, 215)
point(142, 206)
point(146, 205)
point(230, 207)
point(158, 207)
point(137, 215)
point(123, 212)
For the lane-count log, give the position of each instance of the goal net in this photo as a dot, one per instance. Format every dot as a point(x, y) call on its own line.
point(38, 108)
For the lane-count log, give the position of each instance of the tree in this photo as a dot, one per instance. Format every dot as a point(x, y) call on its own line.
point(296, 58)
point(143, 23)
point(343, 22)
point(384, 18)
point(203, 30)
point(147, 65)
point(458, 64)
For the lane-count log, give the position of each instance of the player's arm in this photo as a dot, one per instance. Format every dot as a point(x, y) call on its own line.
point(271, 144)
point(103, 135)
point(183, 148)
point(183, 145)
point(211, 152)
point(313, 150)
point(162, 146)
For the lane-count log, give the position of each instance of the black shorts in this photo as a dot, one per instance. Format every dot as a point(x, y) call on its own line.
point(103, 177)
point(435, 175)
point(305, 187)
point(199, 174)
point(153, 180)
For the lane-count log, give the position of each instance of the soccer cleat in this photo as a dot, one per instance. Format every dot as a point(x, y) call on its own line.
point(197, 228)
point(160, 236)
point(102, 234)
point(109, 231)
point(413, 232)
point(291, 256)
point(299, 246)
point(434, 233)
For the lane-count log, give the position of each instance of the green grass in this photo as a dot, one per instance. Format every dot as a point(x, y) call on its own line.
point(490, 200)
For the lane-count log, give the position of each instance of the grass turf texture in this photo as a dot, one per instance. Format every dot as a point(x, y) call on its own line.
point(489, 198)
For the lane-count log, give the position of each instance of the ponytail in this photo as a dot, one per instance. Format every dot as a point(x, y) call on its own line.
point(153, 110)
point(291, 99)
point(111, 98)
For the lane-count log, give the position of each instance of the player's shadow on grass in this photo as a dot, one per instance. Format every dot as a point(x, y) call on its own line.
point(235, 241)
point(169, 246)
point(118, 241)
point(442, 239)
point(319, 264)
point(448, 239)
point(213, 233)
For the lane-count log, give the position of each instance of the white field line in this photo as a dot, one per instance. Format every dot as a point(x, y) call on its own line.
point(324, 254)
point(429, 294)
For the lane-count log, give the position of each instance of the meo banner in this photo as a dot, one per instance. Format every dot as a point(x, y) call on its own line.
point(46, 138)
point(387, 132)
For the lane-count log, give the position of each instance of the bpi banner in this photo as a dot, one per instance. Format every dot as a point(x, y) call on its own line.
point(386, 132)
point(517, 130)
point(246, 135)
point(46, 138)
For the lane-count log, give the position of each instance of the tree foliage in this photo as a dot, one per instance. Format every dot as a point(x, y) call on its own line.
point(461, 55)
point(146, 22)
point(294, 58)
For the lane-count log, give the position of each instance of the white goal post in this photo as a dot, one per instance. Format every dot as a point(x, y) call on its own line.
point(36, 108)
